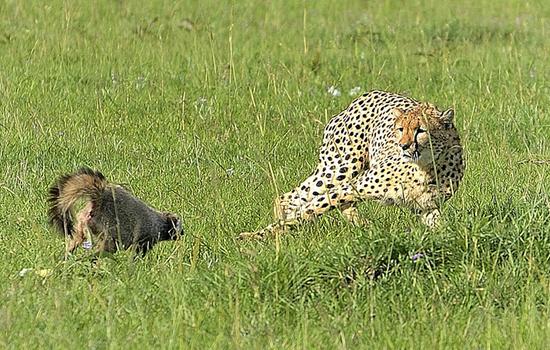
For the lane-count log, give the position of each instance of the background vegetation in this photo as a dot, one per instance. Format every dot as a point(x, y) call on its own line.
point(211, 108)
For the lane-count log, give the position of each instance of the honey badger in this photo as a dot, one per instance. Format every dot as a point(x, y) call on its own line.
point(112, 216)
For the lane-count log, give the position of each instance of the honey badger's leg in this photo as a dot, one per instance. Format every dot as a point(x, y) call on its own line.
point(80, 231)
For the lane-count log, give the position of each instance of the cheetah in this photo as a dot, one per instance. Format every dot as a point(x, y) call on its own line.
point(385, 147)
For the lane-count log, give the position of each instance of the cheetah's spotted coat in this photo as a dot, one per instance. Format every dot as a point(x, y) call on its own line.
point(385, 147)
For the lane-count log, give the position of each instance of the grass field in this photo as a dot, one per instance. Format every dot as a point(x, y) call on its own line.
point(211, 108)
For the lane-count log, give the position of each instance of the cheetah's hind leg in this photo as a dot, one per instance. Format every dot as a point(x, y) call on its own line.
point(286, 215)
point(270, 230)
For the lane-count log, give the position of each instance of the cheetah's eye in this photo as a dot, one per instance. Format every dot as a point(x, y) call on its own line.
point(420, 131)
point(400, 129)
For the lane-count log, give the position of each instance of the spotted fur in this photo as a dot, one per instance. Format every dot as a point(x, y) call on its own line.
point(385, 147)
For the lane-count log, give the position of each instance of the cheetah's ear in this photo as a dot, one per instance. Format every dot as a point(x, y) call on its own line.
point(397, 112)
point(447, 117)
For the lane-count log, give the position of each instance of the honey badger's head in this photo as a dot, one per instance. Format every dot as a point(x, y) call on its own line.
point(173, 228)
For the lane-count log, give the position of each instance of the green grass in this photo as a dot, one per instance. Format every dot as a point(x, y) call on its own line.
point(195, 104)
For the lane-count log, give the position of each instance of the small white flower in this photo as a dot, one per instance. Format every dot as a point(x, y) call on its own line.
point(202, 106)
point(332, 90)
point(201, 102)
point(25, 271)
point(230, 172)
point(355, 91)
point(140, 82)
point(417, 257)
point(87, 245)
point(114, 78)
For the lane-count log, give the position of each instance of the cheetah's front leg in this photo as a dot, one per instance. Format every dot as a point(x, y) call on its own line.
point(430, 217)
point(351, 214)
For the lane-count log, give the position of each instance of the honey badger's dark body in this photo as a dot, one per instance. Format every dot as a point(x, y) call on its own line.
point(124, 220)
point(114, 217)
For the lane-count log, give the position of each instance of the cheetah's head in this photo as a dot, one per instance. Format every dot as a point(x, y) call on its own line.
point(421, 131)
